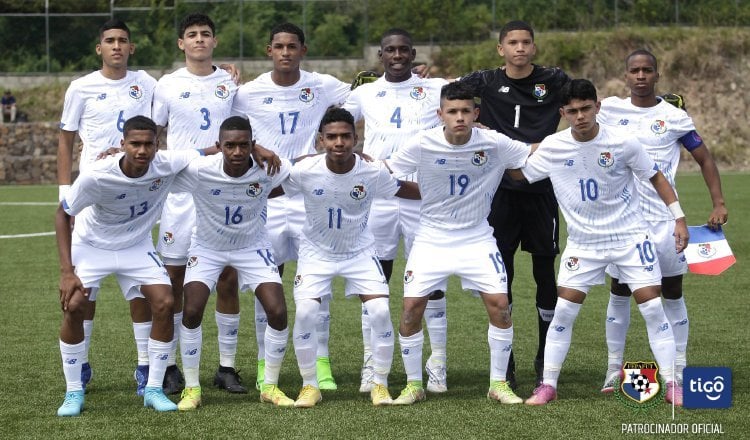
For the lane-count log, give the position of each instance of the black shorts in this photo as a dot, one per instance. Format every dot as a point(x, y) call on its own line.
point(530, 219)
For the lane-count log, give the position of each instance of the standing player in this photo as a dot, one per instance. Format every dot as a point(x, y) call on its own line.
point(521, 100)
point(230, 193)
point(285, 107)
point(592, 169)
point(338, 189)
point(662, 129)
point(125, 193)
point(395, 108)
point(459, 169)
point(192, 102)
point(96, 107)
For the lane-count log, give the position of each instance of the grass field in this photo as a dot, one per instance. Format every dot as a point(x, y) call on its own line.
point(32, 386)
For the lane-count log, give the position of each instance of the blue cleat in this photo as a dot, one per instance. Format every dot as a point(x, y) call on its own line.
point(141, 378)
point(72, 405)
point(86, 374)
point(154, 397)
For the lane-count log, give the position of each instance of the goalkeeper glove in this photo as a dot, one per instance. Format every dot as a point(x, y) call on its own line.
point(364, 77)
point(676, 100)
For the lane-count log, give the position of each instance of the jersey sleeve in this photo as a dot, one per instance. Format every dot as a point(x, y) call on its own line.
point(353, 103)
point(160, 108)
point(187, 179)
point(239, 104)
point(338, 90)
point(405, 160)
point(82, 194)
point(292, 185)
point(283, 174)
point(640, 162)
point(72, 109)
point(537, 165)
point(475, 80)
point(685, 128)
point(179, 159)
point(513, 152)
point(388, 185)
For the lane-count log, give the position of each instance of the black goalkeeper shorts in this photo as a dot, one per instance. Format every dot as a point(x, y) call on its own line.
point(530, 219)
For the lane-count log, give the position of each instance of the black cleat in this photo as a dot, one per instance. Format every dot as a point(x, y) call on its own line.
point(229, 379)
point(174, 382)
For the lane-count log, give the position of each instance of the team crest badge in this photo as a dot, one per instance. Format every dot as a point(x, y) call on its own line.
point(606, 160)
point(297, 280)
point(479, 158)
point(572, 264)
point(418, 93)
point(168, 238)
point(640, 387)
point(705, 250)
point(192, 261)
point(540, 91)
point(135, 92)
point(659, 127)
point(408, 277)
point(306, 94)
point(254, 189)
point(222, 91)
point(156, 184)
point(358, 192)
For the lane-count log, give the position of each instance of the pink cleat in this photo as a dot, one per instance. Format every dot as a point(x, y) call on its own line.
point(542, 395)
point(673, 394)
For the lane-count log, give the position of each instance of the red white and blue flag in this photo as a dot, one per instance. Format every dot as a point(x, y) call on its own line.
point(708, 252)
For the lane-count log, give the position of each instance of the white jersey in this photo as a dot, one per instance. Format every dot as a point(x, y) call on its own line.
point(230, 211)
point(193, 107)
point(661, 130)
point(123, 209)
point(594, 184)
point(395, 111)
point(285, 119)
point(458, 182)
point(338, 205)
point(97, 108)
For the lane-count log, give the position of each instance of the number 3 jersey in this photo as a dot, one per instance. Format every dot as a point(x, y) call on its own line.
point(230, 211)
point(123, 209)
point(594, 184)
point(97, 108)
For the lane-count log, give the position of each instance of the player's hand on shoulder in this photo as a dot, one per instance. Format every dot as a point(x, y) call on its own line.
point(233, 71)
point(423, 70)
point(364, 156)
point(266, 159)
point(111, 151)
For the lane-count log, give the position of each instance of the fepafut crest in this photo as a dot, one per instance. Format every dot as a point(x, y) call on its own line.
point(479, 158)
point(640, 388)
point(135, 92)
point(254, 189)
point(222, 91)
point(358, 192)
point(606, 159)
point(306, 94)
point(659, 127)
point(571, 263)
point(540, 91)
point(418, 93)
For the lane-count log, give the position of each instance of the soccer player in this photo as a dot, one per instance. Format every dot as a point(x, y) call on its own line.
point(593, 169)
point(662, 129)
point(338, 189)
point(521, 100)
point(395, 108)
point(230, 193)
point(125, 194)
point(96, 107)
point(459, 168)
point(192, 102)
point(285, 107)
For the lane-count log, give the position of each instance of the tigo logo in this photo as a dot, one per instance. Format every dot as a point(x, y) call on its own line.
point(707, 387)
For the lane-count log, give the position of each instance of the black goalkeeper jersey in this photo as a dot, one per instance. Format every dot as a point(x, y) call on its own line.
point(525, 109)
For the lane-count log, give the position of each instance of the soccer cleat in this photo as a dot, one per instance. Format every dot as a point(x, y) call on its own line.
point(174, 382)
point(673, 394)
point(141, 379)
point(261, 374)
point(612, 380)
point(413, 393)
point(154, 397)
point(272, 394)
point(325, 377)
point(380, 395)
point(229, 379)
point(86, 374)
point(191, 399)
point(437, 375)
point(542, 395)
point(367, 375)
point(308, 397)
point(500, 390)
point(72, 405)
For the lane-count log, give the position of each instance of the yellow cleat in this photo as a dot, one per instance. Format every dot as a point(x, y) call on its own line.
point(380, 395)
point(271, 393)
point(191, 399)
point(413, 393)
point(500, 390)
point(308, 397)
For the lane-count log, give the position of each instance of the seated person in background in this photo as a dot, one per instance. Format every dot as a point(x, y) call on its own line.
point(9, 106)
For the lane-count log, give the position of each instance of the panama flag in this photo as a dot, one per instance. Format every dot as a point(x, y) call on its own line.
point(708, 252)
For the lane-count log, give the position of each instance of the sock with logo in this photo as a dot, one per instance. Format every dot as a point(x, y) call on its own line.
point(228, 329)
point(191, 341)
point(158, 352)
point(71, 361)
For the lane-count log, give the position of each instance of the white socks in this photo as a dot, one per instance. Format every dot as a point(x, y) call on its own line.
point(411, 353)
point(501, 343)
point(88, 328)
point(305, 339)
point(382, 339)
point(261, 322)
point(158, 352)
point(275, 349)
point(323, 326)
point(141, 333)
point(71, 355)
point(558, 339)
point(677, 315)
point(616, 328)
point(191, 342)
point(228, 326)
point(660, 336)
point(437, 327)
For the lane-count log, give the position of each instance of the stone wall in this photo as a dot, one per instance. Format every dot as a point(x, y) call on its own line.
point(28, 153)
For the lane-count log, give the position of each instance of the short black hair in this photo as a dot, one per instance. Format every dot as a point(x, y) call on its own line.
point(195, 19)
point(396, 31)
point(515, 25)
point(582, 89)
point(456, 90)
point(336, 114)
point(138, 123)
point(288, 28)
point(236, 123)
point(113, 24)
point(641, 52)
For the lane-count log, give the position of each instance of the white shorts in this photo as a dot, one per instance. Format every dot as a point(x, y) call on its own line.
point(138, 265)
point(176, 228)
point(473, 257)
point(670, 262)
point(362, 273)
point(389, 220)
point(254, 266)
point(286, 216)
point(636, 263)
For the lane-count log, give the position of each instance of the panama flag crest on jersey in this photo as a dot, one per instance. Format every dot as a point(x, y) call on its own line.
point(418, 93)
point(540, 90)
point(708, 252)
point(640, 383)
point(358, 192)
point(479, 158)
point(135, 92)
point(306, 94)
point(659, 127)
point(606, 159)
point(254, 189)
point(222, 91)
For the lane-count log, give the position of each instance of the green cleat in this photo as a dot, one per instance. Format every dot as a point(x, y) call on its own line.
point(191, 399)
point(413, 393)
point(72, 405)
point(272, 394)
point(325, 377)
point(500, 390)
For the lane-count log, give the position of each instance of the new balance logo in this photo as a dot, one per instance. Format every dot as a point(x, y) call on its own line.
point(318, 192)
point(121, 196)
point(215, 192)
point(623, 122)
point(184, 95)
point(381, 94)
point(503, 89)
point(440, 162)
point(569, 162)
point(267, 100)
point(101, 97)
